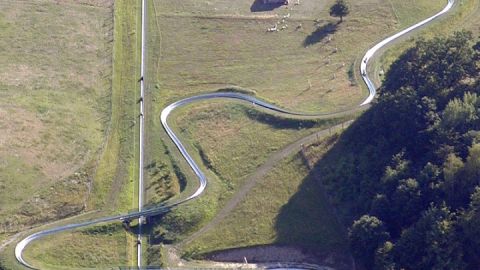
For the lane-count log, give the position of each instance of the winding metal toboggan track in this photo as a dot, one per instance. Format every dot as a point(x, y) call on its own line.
point(196, 169)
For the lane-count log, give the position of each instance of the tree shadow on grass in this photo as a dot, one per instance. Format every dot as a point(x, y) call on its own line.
point(279, 122)
point(307, 221)
point(339, 188)
point(312, 219)
point(320, 33)
point(259, 6)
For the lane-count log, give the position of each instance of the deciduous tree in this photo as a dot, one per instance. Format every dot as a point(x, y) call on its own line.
point(366, 235)
point(339, 9)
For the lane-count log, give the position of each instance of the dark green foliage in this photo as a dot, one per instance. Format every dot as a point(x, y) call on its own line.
point(436, 68)
point(154, 256)
point(351, 75)
point(384, 258)
point(470, 226)
point(182, 179)
point(103, 229)
point(430, 243)
point(366, 235)
point(412, 162)
point(339, 9)
point(161, 180)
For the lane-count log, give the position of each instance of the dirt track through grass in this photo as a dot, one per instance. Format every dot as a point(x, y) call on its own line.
point(260, 174)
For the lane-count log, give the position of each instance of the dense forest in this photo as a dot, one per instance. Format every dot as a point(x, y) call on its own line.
point(406, 175)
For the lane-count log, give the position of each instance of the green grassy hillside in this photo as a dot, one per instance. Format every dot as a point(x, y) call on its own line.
point(54, 107)
point(200, 47)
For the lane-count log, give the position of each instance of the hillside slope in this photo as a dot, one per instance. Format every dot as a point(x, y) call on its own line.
point(407, 170)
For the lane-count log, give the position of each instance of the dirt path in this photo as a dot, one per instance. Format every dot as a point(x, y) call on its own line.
point(259, 175)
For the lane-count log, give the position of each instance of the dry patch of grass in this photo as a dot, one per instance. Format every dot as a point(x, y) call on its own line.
point(57, 104)
point(54, 108)
point(204, 46)
point(111, 176)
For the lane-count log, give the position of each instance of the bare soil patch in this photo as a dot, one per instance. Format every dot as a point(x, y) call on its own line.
point(279, 254)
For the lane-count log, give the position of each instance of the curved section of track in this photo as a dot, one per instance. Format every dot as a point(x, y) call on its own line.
point(20, 247)
point(363, 66)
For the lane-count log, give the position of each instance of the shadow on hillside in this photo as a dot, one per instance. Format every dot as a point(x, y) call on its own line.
point(308, 222)
point(336, 191)
point(259, 6)
point(320, 33)
point(279, 122)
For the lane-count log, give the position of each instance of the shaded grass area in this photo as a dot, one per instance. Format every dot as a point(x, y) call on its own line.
point(275, 213)
point(259, 6)
point(320, 33)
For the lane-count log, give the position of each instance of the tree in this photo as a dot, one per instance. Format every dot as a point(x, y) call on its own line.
point(406, 203)
point(339, 9)
point(431, 243)
point(434, 68)
point(412, 184)
point(461, 115)
point(470, 223)
point(367, 234)
point(384, 258)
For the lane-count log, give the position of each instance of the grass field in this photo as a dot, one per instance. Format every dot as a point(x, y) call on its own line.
point(73, 126)
point(74, 249)
point(229, 137)
point(274, 211)
point(54, 106)
point(66, 128)
point(115, 186)
point(199, 47)
point(227, 159)
point(231, 47)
